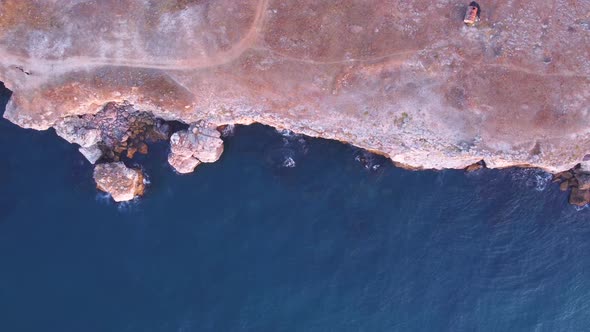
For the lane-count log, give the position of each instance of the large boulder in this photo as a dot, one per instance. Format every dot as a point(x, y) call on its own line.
point(121, 182)
point(183, 164)
point(579, 197)
point(201, 143)
point(583, 181)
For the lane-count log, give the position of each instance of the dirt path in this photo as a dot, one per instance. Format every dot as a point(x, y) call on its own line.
point(73, 63)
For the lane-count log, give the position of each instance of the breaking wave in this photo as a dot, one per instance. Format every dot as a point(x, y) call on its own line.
point(368, 160)
point(531, 178)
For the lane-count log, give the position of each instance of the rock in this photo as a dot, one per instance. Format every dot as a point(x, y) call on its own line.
point(207, 145)
point(579, 197)
point(475, 167)
point(121, 182)
point(563, 176)
point(583, 181)
point(584, 165)
point(564, 186)
point(92, 153)
point(188, 148)
point(143, 148)
point(76, 130)
point(131, 151)
point(115, 127)
point(183, 164)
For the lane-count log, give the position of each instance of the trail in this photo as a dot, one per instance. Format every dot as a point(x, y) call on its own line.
point(50, 67)
point(341, 61)
point(527, 71)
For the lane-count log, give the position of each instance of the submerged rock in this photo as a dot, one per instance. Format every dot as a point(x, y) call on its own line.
point(579, 197)
point(121, 182)
point(200, 143)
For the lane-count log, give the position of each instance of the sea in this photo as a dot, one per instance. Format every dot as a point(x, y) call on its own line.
point(284, 233)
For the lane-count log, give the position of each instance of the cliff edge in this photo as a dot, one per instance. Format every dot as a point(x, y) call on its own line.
point(406, 79)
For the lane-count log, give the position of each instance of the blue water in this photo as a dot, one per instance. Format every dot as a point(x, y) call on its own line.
point(249, 245)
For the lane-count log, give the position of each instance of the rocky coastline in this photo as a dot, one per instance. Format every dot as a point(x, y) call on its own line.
point(405, 80)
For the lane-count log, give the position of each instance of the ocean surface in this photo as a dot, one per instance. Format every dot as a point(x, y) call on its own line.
point(285, 233)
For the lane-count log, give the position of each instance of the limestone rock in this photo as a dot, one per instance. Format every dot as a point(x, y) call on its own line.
point(75, 130)
point(564, 186)
point(183, 164)
point(583, 181)
point(121, 182)
point(200, 143)
point(91, 153)
point(115, 128)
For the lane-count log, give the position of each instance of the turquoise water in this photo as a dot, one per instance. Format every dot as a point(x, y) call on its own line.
point(247, 244)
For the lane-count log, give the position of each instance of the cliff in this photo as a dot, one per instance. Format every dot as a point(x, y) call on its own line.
point(406, 79)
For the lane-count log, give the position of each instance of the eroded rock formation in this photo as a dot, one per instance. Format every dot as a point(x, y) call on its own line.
point(121, 182)
point(113, 130)
point(577, 181)
point(404, 78)
point(201, 143)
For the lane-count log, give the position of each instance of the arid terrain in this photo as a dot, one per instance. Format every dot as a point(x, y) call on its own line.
point(406, 79)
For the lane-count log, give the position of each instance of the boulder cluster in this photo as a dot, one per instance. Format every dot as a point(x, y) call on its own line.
point(578, 181)
point(115, 129)
point(120, 130)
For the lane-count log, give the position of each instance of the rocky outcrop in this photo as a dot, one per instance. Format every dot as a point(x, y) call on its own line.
point(578, 181)
point(476, 167)
point(201, 143)
point(115, 129)
point(121, 182)
point(406, 79)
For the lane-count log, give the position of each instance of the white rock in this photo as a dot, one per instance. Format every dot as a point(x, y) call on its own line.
point(92, 153)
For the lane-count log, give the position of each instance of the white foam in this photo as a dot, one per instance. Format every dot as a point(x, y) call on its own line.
point(289, 163)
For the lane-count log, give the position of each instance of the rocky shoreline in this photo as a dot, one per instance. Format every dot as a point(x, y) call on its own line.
point(407, 80)
point(121, 130)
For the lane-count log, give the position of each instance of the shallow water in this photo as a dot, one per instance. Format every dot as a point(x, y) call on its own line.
point(333, 239)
